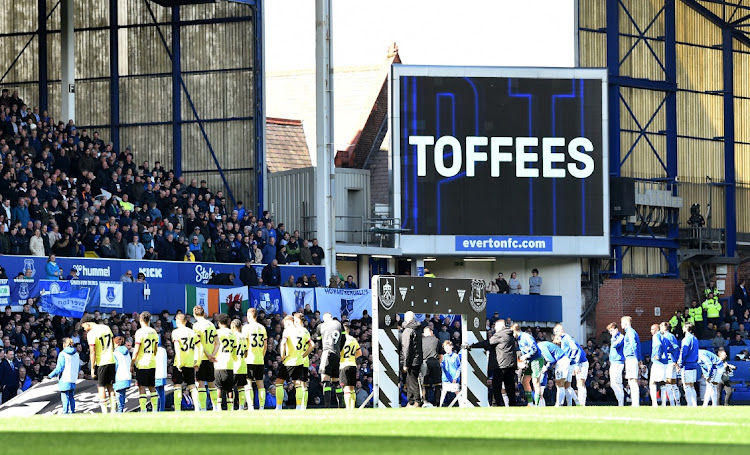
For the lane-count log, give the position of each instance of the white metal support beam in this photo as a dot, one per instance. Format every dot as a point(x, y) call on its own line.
point(325, 171)
point(68, 64)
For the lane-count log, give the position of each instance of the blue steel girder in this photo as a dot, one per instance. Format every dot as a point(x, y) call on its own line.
point(642, 131)
point(642, 35)
point(667, 157)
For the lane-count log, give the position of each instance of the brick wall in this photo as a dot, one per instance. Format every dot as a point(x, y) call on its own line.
point(637, 298)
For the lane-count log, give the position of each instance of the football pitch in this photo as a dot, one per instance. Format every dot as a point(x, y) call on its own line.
point(604, 430)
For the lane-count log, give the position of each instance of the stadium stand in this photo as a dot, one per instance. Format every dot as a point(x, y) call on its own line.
point(65, 191)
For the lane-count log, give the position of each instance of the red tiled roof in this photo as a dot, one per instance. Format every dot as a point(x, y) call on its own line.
point(286, 145)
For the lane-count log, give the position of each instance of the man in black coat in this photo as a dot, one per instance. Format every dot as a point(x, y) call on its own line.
point(222, 279)
point(503, 344)
point(411, 358)
point(272, 274)
point(740, 297)
point(8, 377)
point(248, 276)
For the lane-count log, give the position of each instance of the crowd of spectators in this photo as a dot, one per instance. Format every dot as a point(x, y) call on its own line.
point(64, 191)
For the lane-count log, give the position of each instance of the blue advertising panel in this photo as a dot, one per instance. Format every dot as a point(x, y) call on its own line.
point(156, 272)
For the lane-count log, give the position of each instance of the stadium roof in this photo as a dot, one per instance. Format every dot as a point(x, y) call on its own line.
point(291, 94)
point(286, 147)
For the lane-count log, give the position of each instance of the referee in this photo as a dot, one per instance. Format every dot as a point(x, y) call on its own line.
point(431, 374)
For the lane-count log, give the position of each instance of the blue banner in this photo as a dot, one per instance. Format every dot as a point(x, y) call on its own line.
point(266, 299)
point(294, 300)
point(343, 302)
point(70, 304)
point(156, 272)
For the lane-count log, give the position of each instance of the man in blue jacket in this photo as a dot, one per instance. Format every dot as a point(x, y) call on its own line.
point(688, 362)
point(616, 363)
point(632, 351)
point(672, 348)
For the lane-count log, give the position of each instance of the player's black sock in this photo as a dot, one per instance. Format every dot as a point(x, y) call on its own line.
point(339, 395)
point(436, 395)
point(326, 394)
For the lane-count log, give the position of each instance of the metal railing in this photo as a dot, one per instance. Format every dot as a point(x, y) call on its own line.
point(358, 230)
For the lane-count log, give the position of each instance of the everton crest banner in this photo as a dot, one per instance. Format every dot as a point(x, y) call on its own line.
point(70, 304)
point(110, 294)
point(294, 300)
point(266, 299)
point(344, 302)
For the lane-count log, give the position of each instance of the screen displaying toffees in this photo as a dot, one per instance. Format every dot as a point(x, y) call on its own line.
point(500, 160)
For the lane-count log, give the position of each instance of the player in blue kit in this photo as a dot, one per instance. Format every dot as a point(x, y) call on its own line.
point(534, 363)
point(688, 362)
point(450, 365)
point(672, 347)
point(712, 367)
point(554, 355)
point(579, 366)
point(616, 362)
point(658, 375)
point(632, 351)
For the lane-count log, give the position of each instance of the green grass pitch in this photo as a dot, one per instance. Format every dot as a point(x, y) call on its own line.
point(592, 430)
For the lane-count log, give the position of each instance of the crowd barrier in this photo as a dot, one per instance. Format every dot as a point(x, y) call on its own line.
point(156, 272)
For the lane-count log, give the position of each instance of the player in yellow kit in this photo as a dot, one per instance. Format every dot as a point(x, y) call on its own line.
point(102, 362)
point(184, 341)
point(204, 357)
point(225, 353)
point(144, 361)
point(240, 367)
point(257, 344)
point(294, 346)
point(348, 374)
point(299, 324)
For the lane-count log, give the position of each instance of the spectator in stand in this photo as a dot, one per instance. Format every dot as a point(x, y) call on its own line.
point(717, 341)
point(740, 295)
point(515, 285)
point(257, 254)
point(73, 275)
point(491, 287)
point(248, 275)
point(293, 249)
point(127, 277)
point(272, 274)
point(36, 243)
point(269, 252)
point(305, 255)
point(535, 283)
point(51, 269)
point(289, 283)
point(195, 248)
point(502, 285)
point(136, 251)
point(317, 253)
point(314, 283)
point(737, 341)
point(349, 283)
point(335, 282)
point(208, 251)
point(282, 257)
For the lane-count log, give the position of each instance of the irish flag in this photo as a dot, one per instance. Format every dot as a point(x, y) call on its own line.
point(215, 299)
